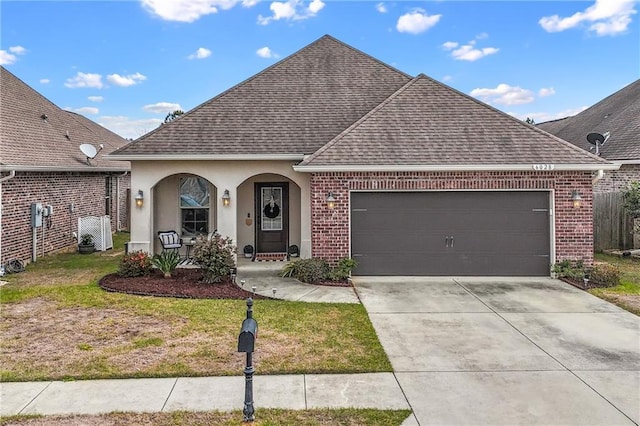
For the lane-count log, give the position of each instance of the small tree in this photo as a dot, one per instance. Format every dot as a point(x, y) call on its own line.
point(631, 197)
point(530, 120)
point(173, 115)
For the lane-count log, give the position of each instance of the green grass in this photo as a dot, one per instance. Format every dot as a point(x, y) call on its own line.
point(629, 282)
point(264, 417)
point(116, 335)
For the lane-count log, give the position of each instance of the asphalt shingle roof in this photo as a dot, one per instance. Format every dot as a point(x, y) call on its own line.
point(618, 114)
point(27, 140)
point(429, 123)
point(293, 107)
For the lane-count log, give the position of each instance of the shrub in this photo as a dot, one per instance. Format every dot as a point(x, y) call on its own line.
point(308, 270)
point(569, 269)
point(316, 270)
point(631, 197)
point(343, 269)
point(166, 262)
point(605, 275)
point(135, 264)
point(215, 256)
point(86, 239)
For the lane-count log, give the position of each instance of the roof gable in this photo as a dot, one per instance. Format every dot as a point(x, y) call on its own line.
point(428, 123)
point(618, 114)
point(293, 107)
point(30, 141)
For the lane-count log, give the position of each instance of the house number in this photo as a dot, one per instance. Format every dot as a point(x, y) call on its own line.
point(543, 167)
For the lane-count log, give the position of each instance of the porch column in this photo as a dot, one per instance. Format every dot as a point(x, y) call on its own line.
point(305, 220)
point(227, 215)
point(141, 237)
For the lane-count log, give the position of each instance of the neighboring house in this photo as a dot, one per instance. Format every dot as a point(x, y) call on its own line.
point(619, 116)
point(41, 162)
point(338, 153)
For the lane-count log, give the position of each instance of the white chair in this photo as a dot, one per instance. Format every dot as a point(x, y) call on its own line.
point(170, 240)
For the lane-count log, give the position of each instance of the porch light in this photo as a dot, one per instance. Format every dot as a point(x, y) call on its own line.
point(140, 198)
point(576, 199)
point(226, 198)
point(331, 201)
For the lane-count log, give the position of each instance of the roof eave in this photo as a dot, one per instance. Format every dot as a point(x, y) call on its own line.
point(455, 168)
point(206, 157)
point(86, 169)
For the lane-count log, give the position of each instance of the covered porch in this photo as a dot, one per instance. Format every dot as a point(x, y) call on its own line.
point(262, 204)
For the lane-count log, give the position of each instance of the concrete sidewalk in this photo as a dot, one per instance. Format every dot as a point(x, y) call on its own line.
point(298, 392)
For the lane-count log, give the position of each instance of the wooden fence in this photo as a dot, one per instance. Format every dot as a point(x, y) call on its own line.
point(612, 226)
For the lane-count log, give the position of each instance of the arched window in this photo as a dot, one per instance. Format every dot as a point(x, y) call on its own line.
point(194, 205)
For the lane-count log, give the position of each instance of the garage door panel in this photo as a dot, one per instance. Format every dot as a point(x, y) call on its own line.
point(451, 233)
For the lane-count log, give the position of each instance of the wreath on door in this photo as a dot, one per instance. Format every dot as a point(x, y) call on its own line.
point(271, 210)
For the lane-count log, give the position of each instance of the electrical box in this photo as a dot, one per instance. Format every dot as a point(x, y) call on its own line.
point(36, 215)
point(49, 210)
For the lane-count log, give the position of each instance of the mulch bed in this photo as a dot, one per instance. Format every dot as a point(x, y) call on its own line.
point(184, 283)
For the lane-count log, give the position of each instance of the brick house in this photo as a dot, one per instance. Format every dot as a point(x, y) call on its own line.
point(40, 162)
point(616, 117)
point(342, 155)
point(619, 116)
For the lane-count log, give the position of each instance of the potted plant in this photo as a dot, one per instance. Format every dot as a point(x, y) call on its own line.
point(294, 250)
point(248, 251)
point(86, 244)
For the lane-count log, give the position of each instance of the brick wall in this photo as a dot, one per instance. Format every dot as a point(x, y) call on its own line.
point(617, 180)
point(85, 190)
point(330, 237)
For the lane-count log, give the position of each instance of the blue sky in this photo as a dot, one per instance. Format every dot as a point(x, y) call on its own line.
point(125, 64)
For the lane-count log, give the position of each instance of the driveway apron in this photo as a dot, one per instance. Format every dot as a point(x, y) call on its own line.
point(489, 351)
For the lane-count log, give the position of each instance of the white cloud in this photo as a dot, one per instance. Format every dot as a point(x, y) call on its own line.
point(85, 80)
point(541, 117)
point(125, 80)
point(604, 17)
point(96, 98)
point(18, 50)
point(161, 107)
point(448, 45)
point(128, 128)
point(381, 7)
point(265, 52)
point(189, 10)
point(11, 56)
point(249, 3)
point(546, 91)
point(45, 81)
point(447, 78)
point(482, 36)
point(504, 94)
point(201, 53)
point(416, 22)
point(87, 110)
point(468, 52)
point(294, 10)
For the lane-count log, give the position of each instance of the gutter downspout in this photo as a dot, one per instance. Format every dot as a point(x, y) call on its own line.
point(118, 199)
point(599, 175)
point(11, 175)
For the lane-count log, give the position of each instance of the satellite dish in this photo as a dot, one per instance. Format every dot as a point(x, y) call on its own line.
point(593, 138)
point(90, 150)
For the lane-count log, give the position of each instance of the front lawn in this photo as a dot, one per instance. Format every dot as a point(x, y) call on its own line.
point(627, 293)
point(57, 323)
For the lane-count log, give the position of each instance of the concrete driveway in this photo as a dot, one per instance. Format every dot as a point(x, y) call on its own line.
point(506, 351)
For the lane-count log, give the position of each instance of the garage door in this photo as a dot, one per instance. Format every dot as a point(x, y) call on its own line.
point(451, 233)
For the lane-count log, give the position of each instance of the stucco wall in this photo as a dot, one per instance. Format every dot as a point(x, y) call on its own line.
point(234, 176)
point(572, 235)
point(86, 191)
point(617, 180)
